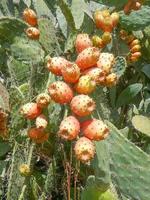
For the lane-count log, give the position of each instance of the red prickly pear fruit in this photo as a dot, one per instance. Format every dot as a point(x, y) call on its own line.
point(115, 18)
point(94, 129)
point(106, 62)
point(60, 92)
point(37, 135)
point(71, 73)
point(41, 122)
point(96, 74)
point(56, 64)
point(43, 100)
point(82, 105)
point(33, 33)
point(84, 149)
point(30, 110)
point(88, 58)
point(30, 16)
point(82, 42)
point(69, 128)
point(85, 85)
point(99, 19)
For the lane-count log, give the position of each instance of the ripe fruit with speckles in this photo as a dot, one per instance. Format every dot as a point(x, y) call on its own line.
point(56, 64)
point(82, 42)
point(82, 105)
point(71, 73)
point(43, 100)
point(69, 128)
point(85, 85)
point(30, 110)
point(60, 92)
point(94, 129)
point(111, 80)
point(106, 37)
point(98, 42)
point(97, 74)
point(33, 33)
point(115, 18)
point(88, 58)
point(30, 16)
point(37, 135)
point(84, 149)
point(41, 122)
point(106, 62)
point(25, 170)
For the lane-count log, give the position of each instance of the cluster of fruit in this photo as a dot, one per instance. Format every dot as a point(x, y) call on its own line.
point(80, 78)
point(132, 5)
point(3, 123)
point(33, 111)
point(30, 17)
point(106, 22)
point(133, 44)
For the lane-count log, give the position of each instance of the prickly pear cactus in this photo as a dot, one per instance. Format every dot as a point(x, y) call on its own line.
point(34, 169)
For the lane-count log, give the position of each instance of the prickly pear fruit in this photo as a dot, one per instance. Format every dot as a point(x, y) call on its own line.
point(111, 80)
point(30, 110)
point(108, 25)
point(56, 64)
point(133, 43)
point(82, 105)
point(106, 61)
point(106, 37)
point(135, 48)
point(41, 122)
point(98, 42)
point(94, 129)
point(37, 135)
point(88, 58)
point(82, 42)
point(103, 20)
point(97, 74)
point(30, 16)
point(84, 149)
point(33, 33)
point(71, 73)
point(60, 92)
point(99, 19)
point(115, 18)
point(85, 85)
point(25, 170)
point(69, 128)
point(43, 100)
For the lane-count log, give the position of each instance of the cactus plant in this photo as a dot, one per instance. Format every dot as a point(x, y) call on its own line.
point(46, 167)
